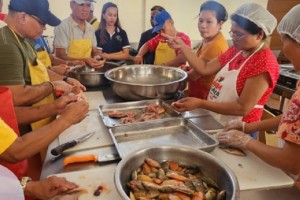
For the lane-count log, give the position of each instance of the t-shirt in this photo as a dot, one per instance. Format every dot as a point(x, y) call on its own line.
point(145, 37)
point(114, 43)
point(200, 88)
point(263, 61)
point(153, 43)
point(68, 29)
point(289, 128)
point(7, 136)
point(13, 66)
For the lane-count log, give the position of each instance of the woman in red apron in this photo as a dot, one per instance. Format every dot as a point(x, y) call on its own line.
point(286, 157)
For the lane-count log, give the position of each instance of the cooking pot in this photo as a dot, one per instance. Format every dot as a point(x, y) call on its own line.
point(209, 165)
point(92, 77)
point(140, 82)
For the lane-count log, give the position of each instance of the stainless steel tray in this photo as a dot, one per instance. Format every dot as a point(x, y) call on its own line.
point(173, 131)
point(133, 106)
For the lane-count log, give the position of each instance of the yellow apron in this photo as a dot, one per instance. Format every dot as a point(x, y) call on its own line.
point(44, 57)
point(163, 53)
point(79, 48)
point(38, 75)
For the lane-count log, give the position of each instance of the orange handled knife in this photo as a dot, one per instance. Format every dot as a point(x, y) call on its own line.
point(91, 157)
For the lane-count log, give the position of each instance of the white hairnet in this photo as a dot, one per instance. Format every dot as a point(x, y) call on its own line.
point(259, 16)
point(290, 24)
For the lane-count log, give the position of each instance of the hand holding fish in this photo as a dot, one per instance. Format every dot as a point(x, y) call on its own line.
point(234, 138)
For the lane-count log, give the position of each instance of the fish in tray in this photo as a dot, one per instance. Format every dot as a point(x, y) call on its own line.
point(232, 150)
point(151, 112)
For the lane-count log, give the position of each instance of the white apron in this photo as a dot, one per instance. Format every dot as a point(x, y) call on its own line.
point(223, 88)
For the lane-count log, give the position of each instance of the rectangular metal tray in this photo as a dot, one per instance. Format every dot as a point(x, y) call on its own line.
point(170, 131)
point(134, 106)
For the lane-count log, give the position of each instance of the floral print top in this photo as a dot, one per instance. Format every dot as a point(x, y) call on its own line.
point(289, 128)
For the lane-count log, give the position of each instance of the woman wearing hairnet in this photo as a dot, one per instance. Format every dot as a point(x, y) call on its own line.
point(247, 71)
point(286, 158)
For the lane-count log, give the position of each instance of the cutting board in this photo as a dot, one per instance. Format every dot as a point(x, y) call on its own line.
point(252, 172)
point(95, 99)
point(92, 122)
point(91, 179)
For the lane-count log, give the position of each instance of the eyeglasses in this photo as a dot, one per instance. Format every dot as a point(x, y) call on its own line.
point(237, 35)
point(38, 20)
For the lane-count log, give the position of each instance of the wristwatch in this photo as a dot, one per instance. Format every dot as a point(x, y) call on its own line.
point(24, 181)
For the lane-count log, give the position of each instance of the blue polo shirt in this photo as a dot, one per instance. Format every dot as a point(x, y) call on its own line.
point(115, 43)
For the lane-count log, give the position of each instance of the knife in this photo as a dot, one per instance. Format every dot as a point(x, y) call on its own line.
point(91, 157)
point(59, 149)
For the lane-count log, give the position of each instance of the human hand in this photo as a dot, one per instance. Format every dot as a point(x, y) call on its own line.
point(234, 138)
point(235, 124)
point(48, 188)
point(138, 59)
point(94, 63)
point(76, 83)
point(61, 69)
point(75, 62)
point(61, 103)
point(75, 112)
point(173, 41)
point(62, 86)
point(186, 104)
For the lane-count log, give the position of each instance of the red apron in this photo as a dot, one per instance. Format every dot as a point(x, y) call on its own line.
point(7, 114)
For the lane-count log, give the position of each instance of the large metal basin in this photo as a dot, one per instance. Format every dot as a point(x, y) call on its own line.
point(210, 166)
point(90, 77)
point(140, 82)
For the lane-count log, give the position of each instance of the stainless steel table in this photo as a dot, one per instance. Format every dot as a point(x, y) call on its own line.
point(254, 186)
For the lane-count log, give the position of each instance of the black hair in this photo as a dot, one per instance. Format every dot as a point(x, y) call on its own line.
point(247, 25)
point(221, 12)
point(159, 8)
point(103, 22)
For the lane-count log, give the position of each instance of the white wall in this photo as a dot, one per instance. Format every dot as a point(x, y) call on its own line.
point(135, 14)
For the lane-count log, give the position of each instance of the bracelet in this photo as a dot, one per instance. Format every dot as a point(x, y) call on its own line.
point(52, 85)
point(24, 181)
point(243, 125)
point(65, 79)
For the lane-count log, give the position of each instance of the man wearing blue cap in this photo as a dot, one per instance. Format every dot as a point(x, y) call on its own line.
point(164, 55)
point(74, 38)
point(23, 73)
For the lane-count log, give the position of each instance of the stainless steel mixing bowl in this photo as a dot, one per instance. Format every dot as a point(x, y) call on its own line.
point(92, 77)
point(210, 166)
point(140, 82)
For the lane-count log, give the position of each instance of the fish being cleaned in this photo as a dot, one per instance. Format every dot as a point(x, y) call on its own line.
point(233, 150)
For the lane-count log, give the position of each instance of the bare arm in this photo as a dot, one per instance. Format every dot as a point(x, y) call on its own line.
point(27, 115)
point(138, 59)
point(264, 125)
point(284, 158)
point(201, 67)
point(43, 136)
point(21, 93)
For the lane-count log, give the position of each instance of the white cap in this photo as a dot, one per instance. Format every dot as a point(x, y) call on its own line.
point(259, 16)
point(290, 24)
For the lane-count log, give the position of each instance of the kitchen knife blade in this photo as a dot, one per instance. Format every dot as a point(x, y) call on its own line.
point(59, 149)
point(91, 157)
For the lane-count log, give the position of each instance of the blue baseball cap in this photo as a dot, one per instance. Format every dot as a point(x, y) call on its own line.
point(159, 20)
point(38, 8)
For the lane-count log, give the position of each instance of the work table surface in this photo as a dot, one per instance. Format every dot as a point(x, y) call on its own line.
point(257, 180)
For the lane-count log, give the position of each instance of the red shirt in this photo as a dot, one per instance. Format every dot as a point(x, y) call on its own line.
point(2, 16)
point(263, 61)
point(153, 43)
